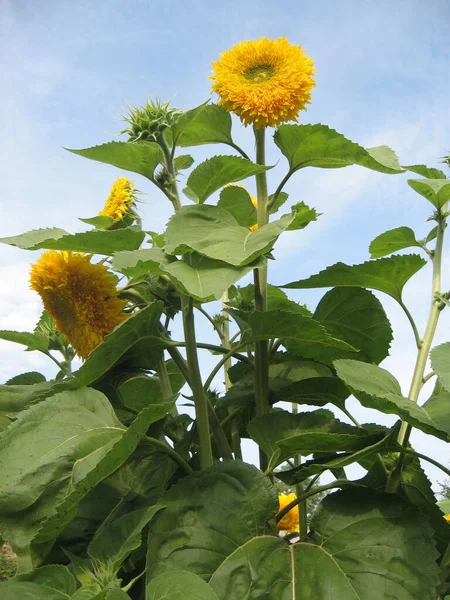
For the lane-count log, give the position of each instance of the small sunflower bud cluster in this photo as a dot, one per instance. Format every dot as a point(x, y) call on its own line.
point(148, 122)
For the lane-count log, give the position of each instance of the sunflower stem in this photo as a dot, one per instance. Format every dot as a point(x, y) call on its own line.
point(187, 308)
point(417, 382)
point(260, 280)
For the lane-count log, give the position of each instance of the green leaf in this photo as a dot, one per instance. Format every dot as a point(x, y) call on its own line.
point(92, 469)
point(120, 537)
point(215, 172)
point(416, 488)
point(319, 146)
point(179, 584)
point(315, 391)
point(440, 361)
point(281, 199)
point(196, 275)
point(387, 275)
point(184, 121)
point(237, 201)
point(303, 216)
point(214, 233)
point(36, 462)
point(29, 378)
point(283, 435)
point(99, 221)
point(212, 125)
point(376, 388)
point(96, 241)
point(356, 316)
point(392, 241)
point(208, 515)
point(437, 191)
point(301, 335)
point(142, 158)
point(438, 407)
point(428, 172)
point(52, 582)
point(335, 462)
point(30, 340)
point(363, 545)
point(184, 161)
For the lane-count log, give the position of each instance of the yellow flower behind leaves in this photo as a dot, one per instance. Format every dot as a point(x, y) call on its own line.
point(120, 199)
point(447, 518)
point(289, 522)
point(265, 82)
point(254, 201)
point(79, 295)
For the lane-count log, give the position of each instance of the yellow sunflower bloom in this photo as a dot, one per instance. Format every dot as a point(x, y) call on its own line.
point(120, 199)
point(289, 522)
point(79, 295)
point(265, 82)
point(447, 518)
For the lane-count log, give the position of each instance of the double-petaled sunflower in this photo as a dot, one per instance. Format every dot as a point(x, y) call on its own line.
point(120, 201)
point(290, 521)
point(265, 82)
point(79, 295)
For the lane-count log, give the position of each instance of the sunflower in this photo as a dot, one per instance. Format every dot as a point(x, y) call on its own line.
point(447, 518)
point(265, 82)
point(79, 295)
point(120, 199)
point(290, 521)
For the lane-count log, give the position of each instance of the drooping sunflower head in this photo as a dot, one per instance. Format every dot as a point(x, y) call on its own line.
point(265, 82)
point(121, 200)
point(79, 295)
point(290, 522)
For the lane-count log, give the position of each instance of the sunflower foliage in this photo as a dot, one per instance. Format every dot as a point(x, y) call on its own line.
point(127, 477)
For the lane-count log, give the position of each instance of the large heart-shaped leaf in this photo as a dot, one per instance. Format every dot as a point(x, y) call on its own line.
point(213, 232)
point(319, 146)
point(356, 316)
point(207, 516)
point(142, 158)
point(95, 242)
point(215, 172)
point(376, 388)
point(387, 275)
point(363, 545)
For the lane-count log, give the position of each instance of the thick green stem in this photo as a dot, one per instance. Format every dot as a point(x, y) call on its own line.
point(234, 425)
point(187, 307)
point(195, 380)
point(423, 351)
point(260, 280)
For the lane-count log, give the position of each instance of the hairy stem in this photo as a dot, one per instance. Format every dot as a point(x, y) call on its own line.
point(164, 447)
point(423, 351)
point(260, 280)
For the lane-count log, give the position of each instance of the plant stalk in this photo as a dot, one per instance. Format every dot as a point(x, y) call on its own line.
point(260, 280)
point(423, 351)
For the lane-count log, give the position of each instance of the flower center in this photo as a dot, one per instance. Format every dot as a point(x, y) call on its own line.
point(259, 74)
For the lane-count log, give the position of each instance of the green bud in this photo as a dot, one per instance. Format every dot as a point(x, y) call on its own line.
point(148, 122)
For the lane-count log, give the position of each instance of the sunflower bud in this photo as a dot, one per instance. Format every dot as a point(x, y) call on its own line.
point(148, 122)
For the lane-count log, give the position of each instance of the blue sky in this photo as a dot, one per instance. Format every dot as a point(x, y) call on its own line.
point(70, 67)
